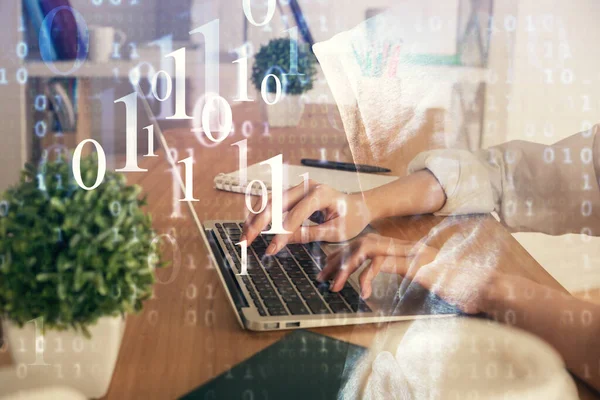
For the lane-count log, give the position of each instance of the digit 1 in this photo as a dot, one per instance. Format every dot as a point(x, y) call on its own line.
point(3, 80)
point(323, 23)
point(266, 129)
point(58, 100)
point(179, 57)
point(293, 51)
point(59, 185)
point(22, 23)
point(191, 262)
point(166, 47)
point(58, 152)
point(190, 151)
point(131, 164)
point(150, 129)
point(242, 161)
point(586, 182)
point(108, 120)
point(133, 53)
point(176, 190)
point(41, 182)
point(244, 245)
point(242, 74)
point(189, 179)
point(116, 74)
point(586, 103)
point(116, 51)
point(276, 164)
point(529, 205)
point(305, 181)
point(39, 341)
point(305, 223)
point(211, 55)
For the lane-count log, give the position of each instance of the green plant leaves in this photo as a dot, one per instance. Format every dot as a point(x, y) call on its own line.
point(57, 204)
point(65, 256)
point(274, 58)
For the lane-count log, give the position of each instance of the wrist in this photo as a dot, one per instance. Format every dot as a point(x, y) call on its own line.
point(494, 293)
point(373, 205)
point(417, 193)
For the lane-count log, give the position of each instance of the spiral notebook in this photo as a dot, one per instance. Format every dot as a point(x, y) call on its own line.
point(343, 181)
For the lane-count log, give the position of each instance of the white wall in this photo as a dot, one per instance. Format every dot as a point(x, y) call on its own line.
point(142, 21)
point(500, 69)
point(557, 36)
point(548, 108)
point(12, 135)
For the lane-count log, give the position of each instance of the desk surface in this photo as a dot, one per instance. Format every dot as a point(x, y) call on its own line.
point(187, 333)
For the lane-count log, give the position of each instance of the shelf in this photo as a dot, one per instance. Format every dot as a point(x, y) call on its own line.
point(38, 69)
point(111, 68)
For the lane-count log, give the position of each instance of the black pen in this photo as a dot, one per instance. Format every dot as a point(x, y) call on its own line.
point(309, 162)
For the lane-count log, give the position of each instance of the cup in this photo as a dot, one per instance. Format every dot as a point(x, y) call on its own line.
point(101, 42)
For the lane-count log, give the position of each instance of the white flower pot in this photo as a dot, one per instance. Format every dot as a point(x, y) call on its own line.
point(287, 112)
point(68, 358)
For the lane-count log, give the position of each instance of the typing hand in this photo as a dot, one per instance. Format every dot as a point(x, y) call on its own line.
point(435, 270)
point(339, 216)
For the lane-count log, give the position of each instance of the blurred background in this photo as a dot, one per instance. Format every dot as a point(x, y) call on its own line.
point(501, 70)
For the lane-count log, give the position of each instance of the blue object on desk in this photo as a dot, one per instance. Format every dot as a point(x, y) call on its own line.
point(302, 365)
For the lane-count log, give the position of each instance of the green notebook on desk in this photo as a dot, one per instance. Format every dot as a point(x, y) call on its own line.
point(302, 365)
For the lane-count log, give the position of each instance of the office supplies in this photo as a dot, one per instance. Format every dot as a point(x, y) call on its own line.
point(62, 93)
point(301, 365)
point(281, 292)
point(42, 34)
point(291, 9)
point(342, 166)
point(102, 39)
point(63, 29)
point(343, 181)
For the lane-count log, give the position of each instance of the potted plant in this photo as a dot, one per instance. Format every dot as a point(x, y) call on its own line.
point(73, 263)
point(278, 58)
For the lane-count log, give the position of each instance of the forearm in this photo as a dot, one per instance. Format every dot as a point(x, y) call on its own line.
point(570, 325)
point(544, 188)
point(418, 193)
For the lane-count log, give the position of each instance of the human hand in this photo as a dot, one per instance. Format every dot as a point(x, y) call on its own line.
point(435, 270)
point(339, 216)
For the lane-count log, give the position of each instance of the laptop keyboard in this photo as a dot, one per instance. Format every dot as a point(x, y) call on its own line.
point(286, 283)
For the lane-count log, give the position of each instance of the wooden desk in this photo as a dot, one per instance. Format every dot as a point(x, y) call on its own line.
point(188, 334)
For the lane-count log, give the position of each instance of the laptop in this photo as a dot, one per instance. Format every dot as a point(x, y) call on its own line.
point(282, 292)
